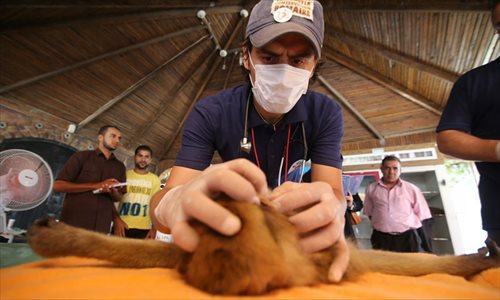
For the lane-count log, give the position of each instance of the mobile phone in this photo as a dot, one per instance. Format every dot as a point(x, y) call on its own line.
point(97, 191)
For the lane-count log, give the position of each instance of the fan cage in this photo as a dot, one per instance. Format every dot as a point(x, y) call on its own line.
point(33, 196)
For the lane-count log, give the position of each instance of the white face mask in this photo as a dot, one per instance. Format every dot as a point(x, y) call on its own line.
point(277, 88)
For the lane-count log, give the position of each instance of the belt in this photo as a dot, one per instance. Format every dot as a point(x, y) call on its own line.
point(393, 233)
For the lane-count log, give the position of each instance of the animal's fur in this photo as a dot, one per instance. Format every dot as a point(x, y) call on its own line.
point(263, 256)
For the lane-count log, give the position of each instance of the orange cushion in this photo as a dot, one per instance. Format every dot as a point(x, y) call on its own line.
point(72, 277)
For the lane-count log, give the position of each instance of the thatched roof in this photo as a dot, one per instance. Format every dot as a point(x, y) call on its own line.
point(143, 64)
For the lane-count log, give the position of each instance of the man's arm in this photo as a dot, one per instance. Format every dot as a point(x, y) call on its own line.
point(116, 194)
point(119, 225)
point(330, 175)
point(333, 176)
point(421, 208)
point(240, 179)
point(321, 224)
point(64, 186)
point(466, 146)
point(178, 176)
point(367, 203)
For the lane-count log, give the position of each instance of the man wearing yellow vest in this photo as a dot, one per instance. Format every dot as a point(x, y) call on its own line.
point(134, 220)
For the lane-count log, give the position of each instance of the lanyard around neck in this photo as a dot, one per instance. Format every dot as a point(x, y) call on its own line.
point(254, 146)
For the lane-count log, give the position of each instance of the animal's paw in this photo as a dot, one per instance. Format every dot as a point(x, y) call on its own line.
point(45, 234)
point(493, 248)
point(491, 253)
point(44, 222)
point(42, 226)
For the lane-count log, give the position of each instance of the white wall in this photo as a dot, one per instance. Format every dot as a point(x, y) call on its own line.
point(462, 205)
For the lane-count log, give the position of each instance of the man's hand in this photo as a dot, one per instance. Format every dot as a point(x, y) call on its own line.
point(105, 185)
point(119, 227)
point(151, 234)
point(116, 194)
point(349, 200)
point(318, 216)
point(240, 179)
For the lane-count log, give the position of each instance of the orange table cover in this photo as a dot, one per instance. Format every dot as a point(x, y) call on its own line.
point(81, 278)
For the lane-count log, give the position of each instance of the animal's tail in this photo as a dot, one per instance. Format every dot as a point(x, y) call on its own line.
point(50, 238)
point(415, 264)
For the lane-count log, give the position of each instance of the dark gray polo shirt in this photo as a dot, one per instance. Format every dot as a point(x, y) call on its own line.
point(216, 124)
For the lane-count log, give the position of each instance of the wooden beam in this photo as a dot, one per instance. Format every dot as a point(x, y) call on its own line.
point(199, 4)
point(234, 53)
point(86, 62)
point(385, 82)
point(208, 77)
point(372, 5)
point(136, 85)
point(491, 48)
point(411, 132)
point(87, 20)
point(164, 106)
point(360, 44)
point(351, 108)
point(228, 74)
point(408, 5)
point(214, 67)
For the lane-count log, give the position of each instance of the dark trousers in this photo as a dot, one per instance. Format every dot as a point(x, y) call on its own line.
point(408, 241)
point(135, 233)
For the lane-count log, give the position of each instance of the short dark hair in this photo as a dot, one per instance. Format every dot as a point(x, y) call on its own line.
point(143, 147)
point(103, 129)
point(390, 157)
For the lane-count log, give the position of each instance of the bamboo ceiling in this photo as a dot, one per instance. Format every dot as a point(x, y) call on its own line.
point(391, 64)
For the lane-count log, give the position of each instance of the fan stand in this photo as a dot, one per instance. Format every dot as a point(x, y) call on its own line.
point(3, 221)
point(6, 229)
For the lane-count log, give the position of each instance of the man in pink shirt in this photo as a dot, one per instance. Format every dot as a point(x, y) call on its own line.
point(396, 209)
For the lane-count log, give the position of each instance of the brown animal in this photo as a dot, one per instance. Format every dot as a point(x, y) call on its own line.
point(264, 255)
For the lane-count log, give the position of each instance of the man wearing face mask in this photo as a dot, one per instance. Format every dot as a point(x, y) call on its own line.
point(264, 131)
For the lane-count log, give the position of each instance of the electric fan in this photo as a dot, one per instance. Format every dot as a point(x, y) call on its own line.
point(25, 182)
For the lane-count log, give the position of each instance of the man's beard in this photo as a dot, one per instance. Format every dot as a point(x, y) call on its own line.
point(138, 166)
point(107, 146)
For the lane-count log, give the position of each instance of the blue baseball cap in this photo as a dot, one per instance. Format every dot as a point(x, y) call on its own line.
point(271, 18)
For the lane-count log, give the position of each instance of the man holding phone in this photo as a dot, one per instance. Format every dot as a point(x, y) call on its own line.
point(86, 171)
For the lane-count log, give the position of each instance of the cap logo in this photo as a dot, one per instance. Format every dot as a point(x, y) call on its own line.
point(282, 15)
point(283, 10)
